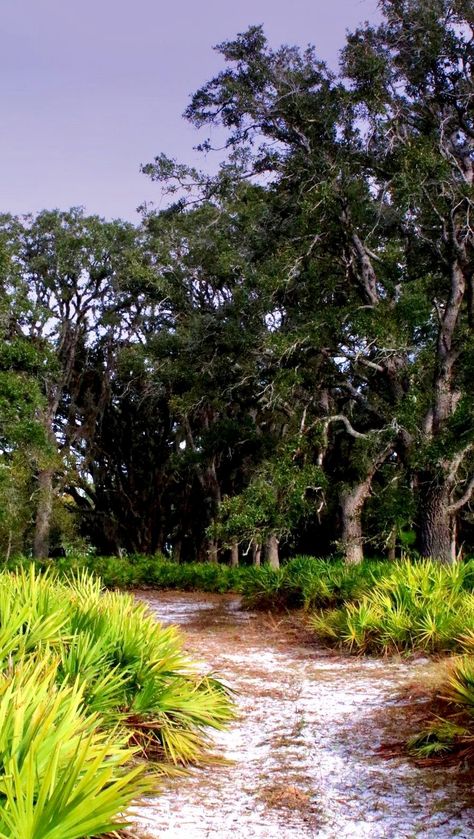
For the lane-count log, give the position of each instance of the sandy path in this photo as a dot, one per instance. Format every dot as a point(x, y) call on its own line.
point(305, 759)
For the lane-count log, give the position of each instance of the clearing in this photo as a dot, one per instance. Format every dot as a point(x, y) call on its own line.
point(305, 755)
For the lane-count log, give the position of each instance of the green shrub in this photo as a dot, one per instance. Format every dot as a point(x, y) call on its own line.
point(152, 571)
point(61, 776)
point(87, 681)
point(422, 605)
point(309, 583)
point(455, 732)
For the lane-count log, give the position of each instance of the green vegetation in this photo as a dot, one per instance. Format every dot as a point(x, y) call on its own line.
point(375, 606)
point(137, 571)
point(165, 574)
point(451, 732)
point(280, 356)
point(412, 606)
point(309, 583)
point(91, 690)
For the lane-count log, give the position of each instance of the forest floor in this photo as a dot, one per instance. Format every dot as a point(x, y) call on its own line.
point(315, 750)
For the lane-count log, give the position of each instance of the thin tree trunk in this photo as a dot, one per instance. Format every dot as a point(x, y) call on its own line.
point(212, 552)
point(437, 520)
point(176, 553)
point(454, 544)
point(256, 554)
point(9, 545)
point(352, 503)
point(43, 514)
point(234, 555)
point(392, 545)
point(272, 553)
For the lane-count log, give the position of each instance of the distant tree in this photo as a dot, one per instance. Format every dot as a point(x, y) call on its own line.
point(22, 439)
point(68, 267)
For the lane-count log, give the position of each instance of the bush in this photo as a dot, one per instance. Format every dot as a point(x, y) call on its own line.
point(411, 606)
point(309, 583)
point(136, 570)
point(452, 730)
point(61, 777)
point(88, 681)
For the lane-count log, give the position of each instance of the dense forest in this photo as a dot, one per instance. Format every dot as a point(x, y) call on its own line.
point(282, 360)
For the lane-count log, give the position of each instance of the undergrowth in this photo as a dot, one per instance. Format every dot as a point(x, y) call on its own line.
point(90, 686)
point(136, 570)
point(409, 606)
point(450, 734)
point(309, 583)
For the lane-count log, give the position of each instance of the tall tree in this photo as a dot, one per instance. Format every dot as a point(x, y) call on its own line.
point(69, 265)
point(369, 185)
point(412, 79)
point(22, 441)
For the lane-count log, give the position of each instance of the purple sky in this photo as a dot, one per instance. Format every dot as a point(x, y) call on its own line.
point(90, 89)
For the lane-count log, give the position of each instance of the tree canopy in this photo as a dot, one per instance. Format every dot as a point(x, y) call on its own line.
point(282, 356)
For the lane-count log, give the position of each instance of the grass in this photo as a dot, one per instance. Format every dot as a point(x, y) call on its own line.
point(90, 685)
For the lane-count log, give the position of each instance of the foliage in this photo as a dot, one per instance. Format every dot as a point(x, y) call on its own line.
point(137, 571)
point(412, 606)
point(284, 352)
point(61, 775)
point(88, 682)
point(281, 494)
point(360, 263)
point(310, 583)
point(452, 731)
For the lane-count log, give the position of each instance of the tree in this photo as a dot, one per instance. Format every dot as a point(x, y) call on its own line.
point(369, 261)
point(68, 266)
point(205, 356)
point(412, 77)
point(281, 493)
point(22, 440)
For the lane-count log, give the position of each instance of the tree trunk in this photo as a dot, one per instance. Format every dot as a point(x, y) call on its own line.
point(272, 554)
point(454, 541)
point(392, 545)
point(256, 554)
point(212, 552)
point(43, 514)
point(234, 555)
point(9, 545)
point(352, 503)
point(176, 553)
point(437, 524)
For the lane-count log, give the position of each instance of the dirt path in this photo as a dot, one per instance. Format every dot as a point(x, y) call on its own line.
point(305, 751)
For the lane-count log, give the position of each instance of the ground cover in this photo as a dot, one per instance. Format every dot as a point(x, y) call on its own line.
point(94, 694)
point(376, 608)
point(137, 571)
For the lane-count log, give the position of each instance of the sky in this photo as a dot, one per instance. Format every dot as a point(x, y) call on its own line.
point(91, 89)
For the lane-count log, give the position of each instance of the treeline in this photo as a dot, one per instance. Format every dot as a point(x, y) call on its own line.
point(282, 359)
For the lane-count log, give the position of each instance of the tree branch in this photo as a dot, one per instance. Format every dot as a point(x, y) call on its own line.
point(349, 428)
point(457, 505)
